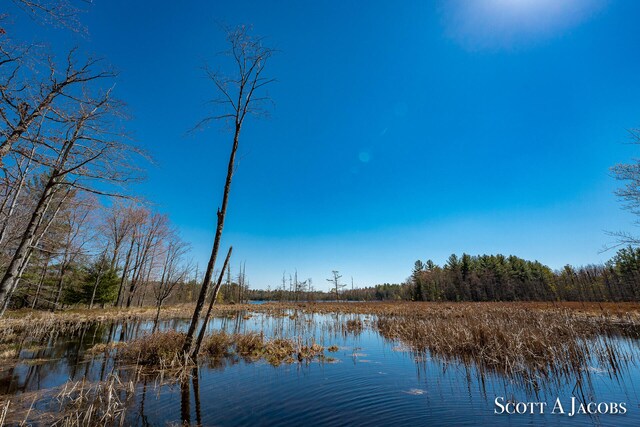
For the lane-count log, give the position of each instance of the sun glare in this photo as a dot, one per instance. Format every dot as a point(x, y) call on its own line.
point(507, 23)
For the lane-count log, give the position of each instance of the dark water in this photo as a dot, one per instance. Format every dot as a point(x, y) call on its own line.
point(371, 382)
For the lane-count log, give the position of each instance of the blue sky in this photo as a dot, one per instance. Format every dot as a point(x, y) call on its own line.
point(401, 130)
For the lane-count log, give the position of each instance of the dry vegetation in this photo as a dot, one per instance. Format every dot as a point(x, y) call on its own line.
point(531, 341)
point(537, 344)
point(163, 349)
point(76, 403)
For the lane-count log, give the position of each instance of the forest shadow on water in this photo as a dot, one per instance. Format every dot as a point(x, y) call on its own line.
point(294, 367)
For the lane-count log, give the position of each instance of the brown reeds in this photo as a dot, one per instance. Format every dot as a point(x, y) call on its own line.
point(530, 344)
point(163, 349)
point(74, 404)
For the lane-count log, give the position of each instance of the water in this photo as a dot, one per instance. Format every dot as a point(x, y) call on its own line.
point(372, 381)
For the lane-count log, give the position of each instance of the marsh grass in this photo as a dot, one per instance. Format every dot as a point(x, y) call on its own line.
point(76, 403)
point(353, 326)
point(535, 346)
point(160, 348)
point(163, 349)
point(533, 342)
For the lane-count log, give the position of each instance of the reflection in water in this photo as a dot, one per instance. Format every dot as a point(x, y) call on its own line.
point(185, 402)
point(368, 379)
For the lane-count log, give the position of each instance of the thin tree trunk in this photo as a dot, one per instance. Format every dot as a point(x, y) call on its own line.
point(147, 278)
point(95, 286)
point(13, 273)
point(155, 321)
point(216, 244)
point(59, 291)
point(216, 289)
point(125, 273)
point(40, 283)
point(16, 196)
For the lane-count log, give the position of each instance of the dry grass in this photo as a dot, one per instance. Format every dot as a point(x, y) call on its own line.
point(531, 340)
point(76, 403)
point(217, 345)
point(34, 323)
point(516, 340)
point(158, 349)
point(353, 326)
point(105, 348)
point(163, 349)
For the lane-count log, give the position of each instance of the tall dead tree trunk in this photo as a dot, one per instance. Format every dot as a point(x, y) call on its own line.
point(238, 95)
point(216, 244)
point(214, 296)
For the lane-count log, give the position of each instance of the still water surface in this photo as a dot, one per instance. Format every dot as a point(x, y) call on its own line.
point(372, 381)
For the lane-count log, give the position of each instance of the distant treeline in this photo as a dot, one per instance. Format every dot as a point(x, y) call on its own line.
point(495, 278)
point(509, 278)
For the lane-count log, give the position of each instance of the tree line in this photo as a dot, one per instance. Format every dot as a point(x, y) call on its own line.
point(488, 278)
point(509, 278)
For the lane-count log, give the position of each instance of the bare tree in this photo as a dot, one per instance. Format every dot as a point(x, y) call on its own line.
point(85, 147)
point(23, 104)
point(137, 217)
point(174, 271)
point(629, 194)
point(76, 238)
point(62, 13)
point(149, 234)
point(118, 226)
point(238, 98)
point(12, 186)
point(335, 282)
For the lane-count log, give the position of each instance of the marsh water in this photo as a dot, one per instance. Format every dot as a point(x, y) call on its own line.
point(369, 380)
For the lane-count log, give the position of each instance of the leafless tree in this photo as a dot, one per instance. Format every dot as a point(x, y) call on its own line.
point(26, 104)
point(174, 272)
point(137, 217)
point(12, 187)
point(118, 226)
point(335, 282)
point(84, 146)
point(62, 13)
point(629, 194)
point(78, 234)
point(148, 234)
point(239, 97)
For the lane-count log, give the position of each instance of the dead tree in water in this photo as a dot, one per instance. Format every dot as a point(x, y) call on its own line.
point(336, 285)
point(238, 96)
point(214, 296)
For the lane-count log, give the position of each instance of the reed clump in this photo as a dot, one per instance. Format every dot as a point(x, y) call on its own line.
point(217, 345)
point(105, 348)
point(310, 350)
point(160, 348)
point(250, 345)
point(353, 326)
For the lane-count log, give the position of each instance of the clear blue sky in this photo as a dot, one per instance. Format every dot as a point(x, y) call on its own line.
point(401, 130)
